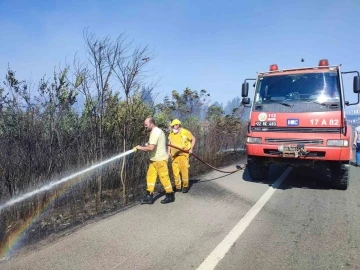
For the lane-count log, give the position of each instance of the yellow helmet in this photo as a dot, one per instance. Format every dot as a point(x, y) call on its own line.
point(175, 122)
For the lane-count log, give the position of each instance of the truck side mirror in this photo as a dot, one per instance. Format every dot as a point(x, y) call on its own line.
point(245, 89)
point(245, 100)
point(356, 84)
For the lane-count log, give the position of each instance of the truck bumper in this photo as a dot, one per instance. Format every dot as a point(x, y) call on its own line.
point(314, 152)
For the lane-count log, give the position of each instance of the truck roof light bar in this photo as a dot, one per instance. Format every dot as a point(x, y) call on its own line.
point(294, 69)
point(322, 63)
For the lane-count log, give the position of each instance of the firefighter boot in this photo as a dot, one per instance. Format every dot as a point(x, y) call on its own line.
point(169, 197)
point(148, 199)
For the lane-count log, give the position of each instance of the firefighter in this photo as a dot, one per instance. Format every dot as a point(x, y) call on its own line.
point(182, 138)
point(158, 163)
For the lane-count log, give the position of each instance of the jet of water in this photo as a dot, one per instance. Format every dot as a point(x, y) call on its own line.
point(53, 184)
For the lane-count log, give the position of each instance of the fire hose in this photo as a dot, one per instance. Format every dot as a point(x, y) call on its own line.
point(239, 168)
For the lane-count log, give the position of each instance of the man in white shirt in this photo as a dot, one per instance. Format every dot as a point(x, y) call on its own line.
point(158, 163)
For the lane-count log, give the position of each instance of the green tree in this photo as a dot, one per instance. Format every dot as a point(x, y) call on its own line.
point(214, 113)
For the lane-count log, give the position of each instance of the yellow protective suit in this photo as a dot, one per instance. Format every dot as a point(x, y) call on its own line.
point(180, 160)
point(180, 165)
point(158, 168)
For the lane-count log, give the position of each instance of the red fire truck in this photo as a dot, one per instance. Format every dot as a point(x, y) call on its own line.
point(298, 118)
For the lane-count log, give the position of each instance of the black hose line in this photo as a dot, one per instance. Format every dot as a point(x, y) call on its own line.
point(216, 169)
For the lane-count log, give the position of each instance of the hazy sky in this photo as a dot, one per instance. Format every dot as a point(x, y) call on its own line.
point(212, 45)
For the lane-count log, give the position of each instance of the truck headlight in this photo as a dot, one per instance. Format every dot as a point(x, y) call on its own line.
point(253, 139)
point(337, 143)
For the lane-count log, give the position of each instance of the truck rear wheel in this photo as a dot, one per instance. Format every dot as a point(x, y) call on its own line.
point(258, 169)
point(340, 175)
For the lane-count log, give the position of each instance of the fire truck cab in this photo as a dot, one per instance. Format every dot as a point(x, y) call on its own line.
point(297, 118)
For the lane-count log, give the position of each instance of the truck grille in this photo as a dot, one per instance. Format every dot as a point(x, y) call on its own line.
point(293, 141)
point(311, 154)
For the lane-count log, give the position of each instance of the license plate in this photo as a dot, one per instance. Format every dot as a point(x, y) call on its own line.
point(265, 124)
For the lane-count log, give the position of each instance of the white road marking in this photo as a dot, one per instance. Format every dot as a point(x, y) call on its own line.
point(220, 251)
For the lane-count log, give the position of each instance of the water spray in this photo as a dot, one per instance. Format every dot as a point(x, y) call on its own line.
point(63, 180)
point(15, 237)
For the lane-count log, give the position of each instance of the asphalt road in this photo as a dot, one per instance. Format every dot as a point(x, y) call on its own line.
point(300, 225)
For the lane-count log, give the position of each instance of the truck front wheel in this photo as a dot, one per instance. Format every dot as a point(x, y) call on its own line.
point(340, 175)
point(258, 169)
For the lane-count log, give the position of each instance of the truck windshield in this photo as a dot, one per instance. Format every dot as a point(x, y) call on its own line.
point(306, 87)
